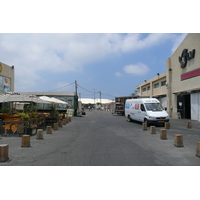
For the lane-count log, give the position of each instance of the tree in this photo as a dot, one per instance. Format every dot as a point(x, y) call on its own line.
point(135, 93)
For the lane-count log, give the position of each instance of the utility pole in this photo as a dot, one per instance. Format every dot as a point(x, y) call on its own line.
point(76, 99)
point(100, 97)
point(94, 96)
point(76, 88)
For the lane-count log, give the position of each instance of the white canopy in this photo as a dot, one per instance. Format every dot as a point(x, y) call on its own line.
point(16, 97)
point(52, 100)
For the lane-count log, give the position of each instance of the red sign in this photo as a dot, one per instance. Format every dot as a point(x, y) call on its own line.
point(137, 106)
point(190, 74)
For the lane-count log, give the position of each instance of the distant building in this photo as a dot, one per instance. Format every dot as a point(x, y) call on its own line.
point(70, 97)
point(93, 102)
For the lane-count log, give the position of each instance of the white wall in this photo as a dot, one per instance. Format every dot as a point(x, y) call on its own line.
point(195, 106)
point(163, 102)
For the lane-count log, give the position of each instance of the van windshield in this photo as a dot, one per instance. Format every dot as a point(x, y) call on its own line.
point(153, 106)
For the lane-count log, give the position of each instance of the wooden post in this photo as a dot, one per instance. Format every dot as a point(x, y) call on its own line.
point(167, 125)
point(67, 120)
point(64, 122)
point(163, 134)
point(60, 123)
point(48, 130)
point(198, 149)
point(25, 141)
point(144, 126)
point(55, 126)
point(152, 129)
point(188, 124)
point(39, 134)
point(3, 152)
point(70, 119)
point(178, 140)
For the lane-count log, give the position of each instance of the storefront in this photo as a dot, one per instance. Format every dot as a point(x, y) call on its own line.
point(183, 79)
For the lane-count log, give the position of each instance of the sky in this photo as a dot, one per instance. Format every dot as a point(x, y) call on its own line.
point(110, 63)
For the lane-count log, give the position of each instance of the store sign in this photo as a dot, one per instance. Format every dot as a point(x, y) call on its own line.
point(4, 84)
point(185, 56)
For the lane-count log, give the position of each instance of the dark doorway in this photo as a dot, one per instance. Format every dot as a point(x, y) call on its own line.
point(187, 106)
point(184, 106)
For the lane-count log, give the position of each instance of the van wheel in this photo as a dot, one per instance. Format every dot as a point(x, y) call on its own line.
point(129, 118)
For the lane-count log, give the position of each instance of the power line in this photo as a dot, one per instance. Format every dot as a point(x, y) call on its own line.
point(61, 87)
point(85, 89)
point(108, 95)
point(95, 92)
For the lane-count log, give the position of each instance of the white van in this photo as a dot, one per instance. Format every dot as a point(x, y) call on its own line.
point(147, 110)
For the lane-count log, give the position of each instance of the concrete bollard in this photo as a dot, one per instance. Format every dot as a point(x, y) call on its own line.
point(48, 130)
point(163, 134)
point(152, 129)
point(178, 140)
point(3, 152)
point(144, 126)
point(167, 125)
point(198, 149)
point(188, 124)
point(60, 123)
point(64, 122)
point(39, 134)
point(55, 126)
point(25, 141)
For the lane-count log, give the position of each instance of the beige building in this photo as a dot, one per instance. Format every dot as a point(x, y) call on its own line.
point(6, 78)
point(154, 88)
point(179, 88)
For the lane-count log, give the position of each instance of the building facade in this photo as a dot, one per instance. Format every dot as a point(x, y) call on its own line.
point(154, 88)
point(178, 88)
point(183, 78)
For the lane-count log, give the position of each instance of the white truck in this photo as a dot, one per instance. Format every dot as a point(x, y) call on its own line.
point(148, 110)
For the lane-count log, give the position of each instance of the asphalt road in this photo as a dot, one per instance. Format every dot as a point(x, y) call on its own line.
point(102, 139)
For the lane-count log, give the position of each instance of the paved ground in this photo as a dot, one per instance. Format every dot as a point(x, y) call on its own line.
point(103, 139)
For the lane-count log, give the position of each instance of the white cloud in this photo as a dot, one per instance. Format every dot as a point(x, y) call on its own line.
point(118, 74)
point(138, 69)
point(33, 54)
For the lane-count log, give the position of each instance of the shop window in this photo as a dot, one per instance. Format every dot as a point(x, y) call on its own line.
point(144, 89)
point(163, 83)
point(156, 85)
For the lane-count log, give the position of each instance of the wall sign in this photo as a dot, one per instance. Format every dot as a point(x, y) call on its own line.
point(185, 56)
point(4, 84)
